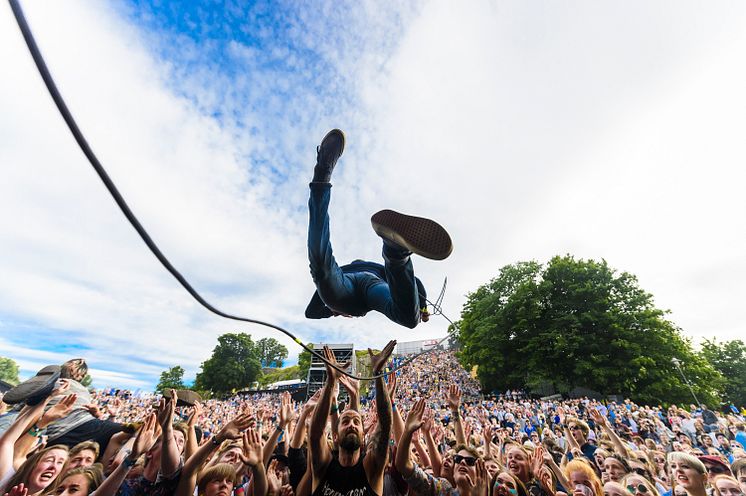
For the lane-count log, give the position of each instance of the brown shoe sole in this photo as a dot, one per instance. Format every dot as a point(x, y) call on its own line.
point(422, 236)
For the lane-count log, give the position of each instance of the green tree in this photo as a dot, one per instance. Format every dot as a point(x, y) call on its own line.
point(234, 365)
point(577, 323)
point(276, 375)
point(172, 378)
point(9, 371)
point(304, 362)
point(729, 358)
point(271, 352)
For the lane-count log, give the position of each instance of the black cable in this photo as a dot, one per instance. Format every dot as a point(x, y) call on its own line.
point(78, 135)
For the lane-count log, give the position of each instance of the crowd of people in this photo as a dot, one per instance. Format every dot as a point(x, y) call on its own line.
point(421, 430)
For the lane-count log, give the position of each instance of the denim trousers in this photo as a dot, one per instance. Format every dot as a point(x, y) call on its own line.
point(356, 293)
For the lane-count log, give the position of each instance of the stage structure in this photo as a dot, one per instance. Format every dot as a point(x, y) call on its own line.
point(317, 370)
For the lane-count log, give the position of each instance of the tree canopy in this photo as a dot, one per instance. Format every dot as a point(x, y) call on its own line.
point(729, 358)
point(9, 371)
point(172, 378)
point(271, 352)
point(577, 323)
point(234, 364)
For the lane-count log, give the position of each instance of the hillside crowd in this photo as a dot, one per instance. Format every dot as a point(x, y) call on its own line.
point(422, 430)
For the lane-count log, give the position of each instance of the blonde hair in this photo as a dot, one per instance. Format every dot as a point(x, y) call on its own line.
point(94, 474)
point(216, 472)
point(652, 490)
point(679, 456)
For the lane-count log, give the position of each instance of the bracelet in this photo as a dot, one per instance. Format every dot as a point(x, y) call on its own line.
point(215, 441)
point(35, 431)
point(128, 462)
point(279, 428)
point(393, 406)
point(334, 408)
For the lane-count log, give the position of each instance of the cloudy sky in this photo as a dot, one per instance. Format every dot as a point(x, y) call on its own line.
point(529, 129)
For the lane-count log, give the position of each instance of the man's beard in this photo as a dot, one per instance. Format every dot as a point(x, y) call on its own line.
point(350, 442)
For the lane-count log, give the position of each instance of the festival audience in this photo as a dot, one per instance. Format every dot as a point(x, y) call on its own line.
point(427, 430)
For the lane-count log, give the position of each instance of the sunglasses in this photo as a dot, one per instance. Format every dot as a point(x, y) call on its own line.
point(469, 460)
point(639, 488)
point(640, 471)
point(717, 470)
point(574, 428)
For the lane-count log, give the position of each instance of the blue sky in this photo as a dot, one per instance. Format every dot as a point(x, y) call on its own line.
point(529, 129)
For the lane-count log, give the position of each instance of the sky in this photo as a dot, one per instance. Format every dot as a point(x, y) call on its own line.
point(604, 130)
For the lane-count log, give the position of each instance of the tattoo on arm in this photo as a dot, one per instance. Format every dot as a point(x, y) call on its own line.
point(380, 438)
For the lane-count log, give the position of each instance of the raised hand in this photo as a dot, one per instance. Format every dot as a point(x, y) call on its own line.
point(331, 373)
point(480, 483)
point(414, 419)
point(166, 411)
point(234, 428)
point(59, 411)
point(252, 448)
point(352, 385)
point(273, 480)
point(287, 414)
point(287, 490)
point(378, 361)
point(427, 422)
point(392, 384)
point(195, 415)
point(598, 419)
point(145, 438)
point(19, 490)
point(537, 460)
point(94, 410)
point(453, 397)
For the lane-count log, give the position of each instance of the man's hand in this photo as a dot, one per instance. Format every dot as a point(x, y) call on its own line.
point(252, 448)
point(453, 397)
point(427, 423)
point(414, 419)
point(352, 385)
point(378, 361)
point(234, 428)
point(58, 411)
point(333, 374)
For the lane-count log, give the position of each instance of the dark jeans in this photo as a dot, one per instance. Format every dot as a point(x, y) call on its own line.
point(357, 293)
point(93, 430)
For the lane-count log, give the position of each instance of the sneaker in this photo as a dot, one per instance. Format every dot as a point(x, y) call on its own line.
point(424, 237)
point(327, 154)
point(34, 390)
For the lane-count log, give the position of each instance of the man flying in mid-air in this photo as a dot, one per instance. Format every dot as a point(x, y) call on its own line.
point(357, 288)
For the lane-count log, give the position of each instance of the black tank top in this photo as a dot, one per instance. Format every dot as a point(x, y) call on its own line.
point(345, 481)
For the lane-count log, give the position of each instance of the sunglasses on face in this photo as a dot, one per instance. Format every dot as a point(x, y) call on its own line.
point(717, 470)
point(639, 488)
point(640, 471)
point(469, 460)
point(574, 428)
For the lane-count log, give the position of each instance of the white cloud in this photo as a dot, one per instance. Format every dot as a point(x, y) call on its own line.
point(528, 130)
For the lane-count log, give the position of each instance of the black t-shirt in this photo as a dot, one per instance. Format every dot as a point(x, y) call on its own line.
point(345, 481)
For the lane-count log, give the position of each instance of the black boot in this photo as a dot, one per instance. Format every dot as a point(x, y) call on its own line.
point(327, 154)
point(424, 237)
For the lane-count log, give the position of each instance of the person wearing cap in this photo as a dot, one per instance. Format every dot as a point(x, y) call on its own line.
point(715, 466)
